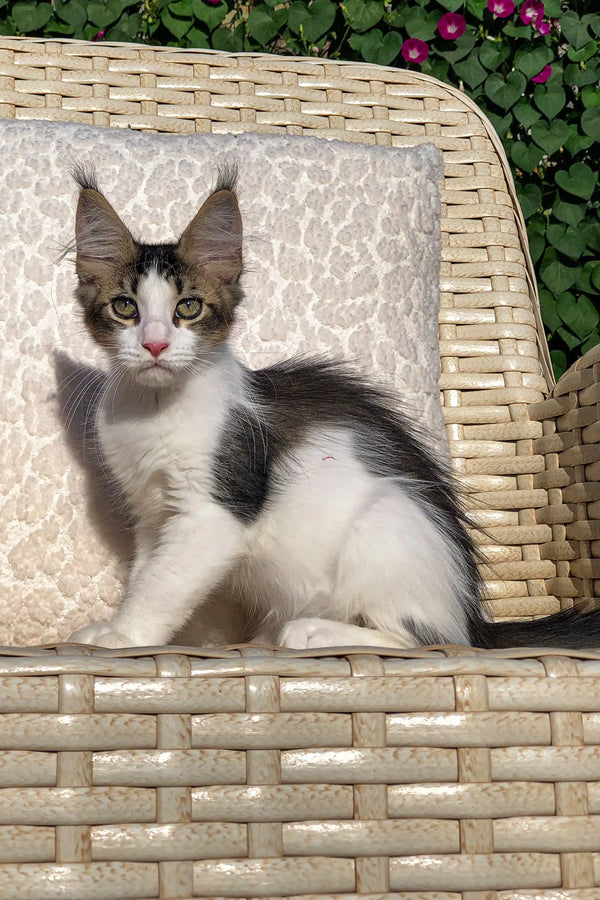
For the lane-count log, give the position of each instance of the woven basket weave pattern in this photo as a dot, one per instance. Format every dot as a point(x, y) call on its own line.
point(261, 774)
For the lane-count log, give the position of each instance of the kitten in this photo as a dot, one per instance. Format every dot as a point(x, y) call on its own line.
point(299, 488)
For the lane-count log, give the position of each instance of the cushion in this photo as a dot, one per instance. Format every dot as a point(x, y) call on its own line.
point(342, 250)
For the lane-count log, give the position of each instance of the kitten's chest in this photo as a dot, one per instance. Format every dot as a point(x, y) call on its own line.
point(160, 455)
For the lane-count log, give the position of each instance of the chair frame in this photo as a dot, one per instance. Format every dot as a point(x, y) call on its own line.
point(441, 774)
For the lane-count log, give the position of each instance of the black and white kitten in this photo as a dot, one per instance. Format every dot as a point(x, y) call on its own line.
point(298, 487)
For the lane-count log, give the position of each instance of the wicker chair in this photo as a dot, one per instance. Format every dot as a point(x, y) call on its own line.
point(436, 774)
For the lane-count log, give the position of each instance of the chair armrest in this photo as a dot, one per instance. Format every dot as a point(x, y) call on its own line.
point(571, 444)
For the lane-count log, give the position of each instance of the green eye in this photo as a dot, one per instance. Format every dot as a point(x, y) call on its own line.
point(190, 308)
point(124, 308)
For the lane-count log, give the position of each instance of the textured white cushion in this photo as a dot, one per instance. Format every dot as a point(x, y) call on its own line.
point(342, 248)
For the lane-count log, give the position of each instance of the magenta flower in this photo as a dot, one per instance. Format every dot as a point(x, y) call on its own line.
point(100, 35)
point(542, 27)
point(415, 51)
point(501, 8)
point(531, 11)
point(451, 26)
point(543, 76)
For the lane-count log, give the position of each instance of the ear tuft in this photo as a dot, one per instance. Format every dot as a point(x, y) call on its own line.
point(213, 239)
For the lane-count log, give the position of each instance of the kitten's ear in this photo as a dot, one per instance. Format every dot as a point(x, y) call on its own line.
point(100, 236)
point(213, 239)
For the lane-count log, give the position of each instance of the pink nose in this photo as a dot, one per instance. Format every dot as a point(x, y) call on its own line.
point(155, 348)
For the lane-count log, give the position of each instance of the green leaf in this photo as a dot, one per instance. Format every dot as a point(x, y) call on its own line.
point(451, 5)
point(210, 14)
point(559, 362)
point(505, 92)
point(198, 38)
point(579, 180)
point(586, 52)
point(104, 14)
point(493, 53)
point(569, 338)
point(74, 13)
point(420, 24)
point(584, 277)
point(500, 123)
point(30, 17)
point(577, 142)
point(530, 198)
point(312, 21)
point(590, 232)
point(380, 49)
point(126, 29)
point(361, 15)
point(177, 25)
point(459, 48)
point(524, 113)
point(590, 122)
point(470, 71)
point(537, 245)
point(531, 61)
point(571, 213)
point(477, 7)
point(567, 240)
point(593, 339)
point(575, 31)
point(555, 275)
point(593, 21)
point(595, 278)
point(550, 137)
point(590, 96)
point(227, 40)
point(262, 26)
point(578, 77)
point(549, 312)
point(581, 316)
point(550, 99)
point(526, 156)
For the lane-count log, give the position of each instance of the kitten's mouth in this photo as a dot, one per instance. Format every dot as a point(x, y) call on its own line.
point(155, 373)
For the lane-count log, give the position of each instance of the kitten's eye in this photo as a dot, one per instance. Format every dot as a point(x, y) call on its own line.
point(190, 308)
point(124, 308)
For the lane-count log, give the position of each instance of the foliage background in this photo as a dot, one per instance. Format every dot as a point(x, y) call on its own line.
point(550, 127)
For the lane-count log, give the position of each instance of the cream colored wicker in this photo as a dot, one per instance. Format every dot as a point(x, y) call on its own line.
point(433, 775)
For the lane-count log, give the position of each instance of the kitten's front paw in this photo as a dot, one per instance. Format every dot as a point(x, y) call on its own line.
point(304, 634)
point(102, 635)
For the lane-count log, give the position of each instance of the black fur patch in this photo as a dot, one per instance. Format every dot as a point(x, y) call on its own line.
point(295, 396)
point(161, 257)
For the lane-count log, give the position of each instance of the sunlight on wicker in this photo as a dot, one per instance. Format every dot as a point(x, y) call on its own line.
point(432, 775)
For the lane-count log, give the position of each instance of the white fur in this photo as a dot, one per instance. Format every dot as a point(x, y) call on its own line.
point(332, 544)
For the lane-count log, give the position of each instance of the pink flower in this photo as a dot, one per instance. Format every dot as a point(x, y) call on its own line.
point(100, 35)
point(501, 8)
point(214, 2)
point(451, 26)
point(531, 11)
point(415, 51)
point(541, 26)
point(543, 76)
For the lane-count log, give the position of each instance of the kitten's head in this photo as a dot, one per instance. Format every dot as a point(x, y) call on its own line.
point(159, 309)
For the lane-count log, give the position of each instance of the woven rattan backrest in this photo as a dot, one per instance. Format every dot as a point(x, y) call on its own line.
point(493, 361)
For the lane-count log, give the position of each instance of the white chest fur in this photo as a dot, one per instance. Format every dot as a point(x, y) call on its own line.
point(159, 444)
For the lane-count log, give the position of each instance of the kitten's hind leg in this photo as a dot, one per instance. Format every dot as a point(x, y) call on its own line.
point(303, 634)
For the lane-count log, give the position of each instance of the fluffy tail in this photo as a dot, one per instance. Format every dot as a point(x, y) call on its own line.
point(573, 629)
